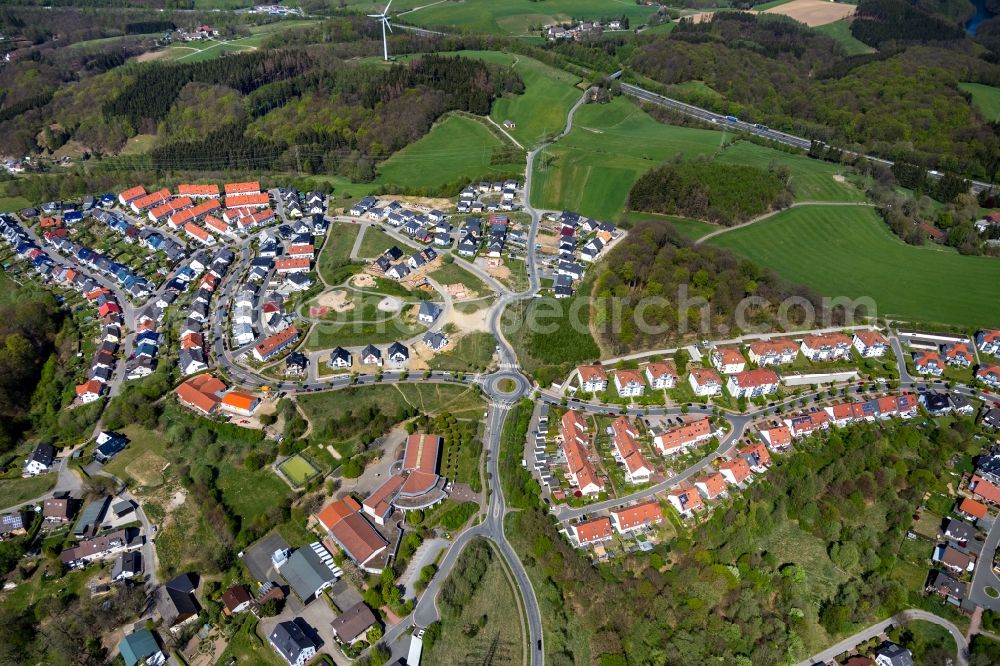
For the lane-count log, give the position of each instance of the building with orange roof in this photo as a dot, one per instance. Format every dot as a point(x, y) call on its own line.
point(704, 382)
point(247, 200)
point(593, 531)
point(421, 452)
point(147, 201)
point(826, 347)
point(661, 375)
point(736, 471)
point(676, 439)
point(629, 383)
point(773, 352)
point(168, 208)
point(711, 486)
point(131, 194)
point(378, 505)
point(89, 391)
point(580, 470)
point(870, 344)
point(686, 500)
point(198, 191)
point(192, 341)
point(928, 362)
point(757, 456)
point(292, 265)
point(728, 360)
point(627, 451)
point(249, 187)
point(629, 518)
point(988, 341)
point(216, 225)
point(240, 402)
point(958, 354)
point(778, 437)
point(989, 375)
point(972, 508)
point(840, 414)
point(593, 378)
point(199, 234)
point(201, 393)
point(275, 343)
point(984, 490)
point(182, 217)
point(572, 421)
point(49, 222)
point(753, 383)
point(348, 529)
point(301, 251)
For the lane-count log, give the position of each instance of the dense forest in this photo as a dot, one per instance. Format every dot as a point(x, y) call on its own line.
point(681, 290)
point(721, 193)
point(771, 577)
point(902, 103)
point(881, 22)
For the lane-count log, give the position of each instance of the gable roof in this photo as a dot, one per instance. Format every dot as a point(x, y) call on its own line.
point(594, 529)
point(353, 622)
point(421, 452)
point(306, 573)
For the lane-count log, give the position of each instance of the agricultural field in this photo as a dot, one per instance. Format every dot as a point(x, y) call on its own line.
point(511, 17)
point(611, 145)
point(861, 257)
point(985, 99)
point(455, 149)
point(841, 31)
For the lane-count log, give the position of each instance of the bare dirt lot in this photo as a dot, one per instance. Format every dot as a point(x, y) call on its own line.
point(363, 280)
point(813, 12)
point(337, 300)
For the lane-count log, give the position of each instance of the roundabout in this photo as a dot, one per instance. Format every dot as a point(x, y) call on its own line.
point(506, 386)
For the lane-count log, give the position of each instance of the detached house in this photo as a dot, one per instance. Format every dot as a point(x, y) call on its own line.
point(779, 437)
point(596, 530)
point(593, 378)
point(661, 375)
point(371, 355)
point(627, 452)
point(989, 342)
point(735, 471)
point(728, 360)
point(870, 344)
point(753, 383)
point(40, 460)
point(957, 354)
point(711, 486)
point(828, 347)
point(928, 363)
point(773, 352)
point(704, 382)
point(686, 500)
point(629, 383)
point(340, 358)
point(637, 516)
point(953, 559)
point(989, 375)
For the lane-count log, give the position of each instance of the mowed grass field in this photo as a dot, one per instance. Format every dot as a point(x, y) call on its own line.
point(841, 31)
point(455, 148)
point(593, 168)
point(985, 99)
point(516, 17)
point(848, 251)
point(549, 94)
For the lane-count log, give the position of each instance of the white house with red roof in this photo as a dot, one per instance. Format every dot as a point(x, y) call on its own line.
point(629, 383)
point(870, 344)
point(827, 347)
point(728, 360)
point(629, 518)
point(704, 382)
point(753, 383)
point(958, 354)
point(736, 471)
point(711, 486)
point(593, 378)
point(773, 352)
point(627, 451)
point(661, 375)
point(686, 500)
point(988, 341)
point(928, 362)
point(989, 375)
point(778, 437)
point(676, 439)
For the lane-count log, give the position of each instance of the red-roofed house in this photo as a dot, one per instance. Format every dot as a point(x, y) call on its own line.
point(199, 234)
point(248, 200)
point(182, 217)
point(215, 225)
point(661, 375)
point(926, 362)
point(736, 471)
point(753, 383)
point(870, 344)
point(988, 342)
point(704, 382)
point(711, 485)
point(292, 265)
point(629, 383)
point(984, 490)
point(637, 516)
point(840, 414)
point(89, 391)
point(131, 194)
point(201, 393)
point(198, 191)
point(773, 352)
point(972, 508)
point(678, 438)
point(757, 456)
point(593, 378)
point(958, 354)
point(276, 343)
point(148, 201)
point(168, 208)
point(249, 187)
point(686, 500)
point(828, 347)
point(596, 530)
point(989, 375)
point(779, 437)
point(307, 251)
point(627, 452)
point(728, 360)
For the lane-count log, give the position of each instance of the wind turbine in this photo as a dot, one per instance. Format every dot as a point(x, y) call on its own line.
point(384, 19)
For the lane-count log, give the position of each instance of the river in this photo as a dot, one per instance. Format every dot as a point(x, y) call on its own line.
point(982, 13)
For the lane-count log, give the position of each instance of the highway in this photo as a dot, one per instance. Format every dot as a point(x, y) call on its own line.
point(762, 131)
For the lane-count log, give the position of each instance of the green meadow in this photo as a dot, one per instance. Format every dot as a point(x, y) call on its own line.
point(985, 99)
point(841, 31)
point(848, 251)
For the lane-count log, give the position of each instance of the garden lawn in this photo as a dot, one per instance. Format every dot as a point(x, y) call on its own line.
point(456, 149)
point(336, 250)
point(12, 204)
point(986, 99)
point(15, 491)
point(848, 251)
point(841, 31)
